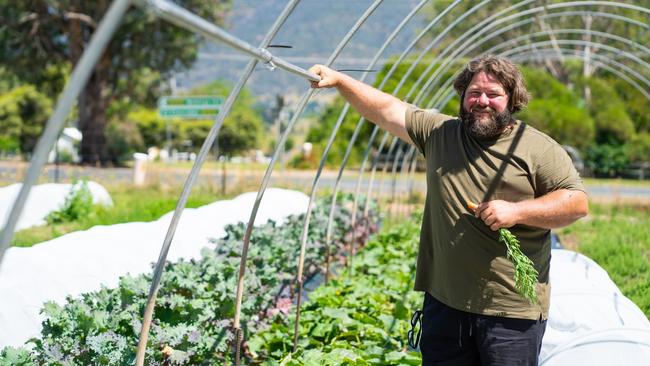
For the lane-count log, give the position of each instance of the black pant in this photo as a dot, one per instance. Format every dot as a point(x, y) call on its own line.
point(454, 337)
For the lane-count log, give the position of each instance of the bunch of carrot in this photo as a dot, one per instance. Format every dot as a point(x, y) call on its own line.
point(525, 272)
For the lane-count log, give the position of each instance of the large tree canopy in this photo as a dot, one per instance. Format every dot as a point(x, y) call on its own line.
point(37, 37)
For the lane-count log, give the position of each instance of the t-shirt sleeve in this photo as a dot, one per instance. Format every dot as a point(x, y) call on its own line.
point(555, 171)
point(420, 123)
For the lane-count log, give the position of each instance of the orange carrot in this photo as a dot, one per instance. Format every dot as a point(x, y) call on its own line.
point(472, 206)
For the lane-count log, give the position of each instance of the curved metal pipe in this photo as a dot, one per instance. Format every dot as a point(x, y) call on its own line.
point(205, 149)
point(54, 124)
point(490, 23)
point(549, 53)
point(445, 86)
point(531, 55)
point(527, 37)
point(430, 83)
point(399, 86)
point(373, 133)
point(305, 232)
point(328, 235)
point(482, 30)
point(180, 16)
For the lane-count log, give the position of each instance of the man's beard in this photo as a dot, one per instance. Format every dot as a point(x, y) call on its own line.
point(486, 129)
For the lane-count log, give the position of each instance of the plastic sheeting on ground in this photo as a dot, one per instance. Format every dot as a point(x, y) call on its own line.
point(83, 261)
point(590, 320)
point(43, 199)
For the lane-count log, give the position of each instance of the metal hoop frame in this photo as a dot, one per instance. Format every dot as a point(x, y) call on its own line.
point(179, 16)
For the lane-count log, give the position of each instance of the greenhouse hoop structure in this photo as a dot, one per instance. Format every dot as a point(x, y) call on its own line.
point(437, 52)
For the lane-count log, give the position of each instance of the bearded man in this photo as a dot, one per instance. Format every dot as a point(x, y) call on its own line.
point(523, 179)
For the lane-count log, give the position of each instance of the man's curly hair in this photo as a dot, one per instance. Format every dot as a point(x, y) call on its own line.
point(506, 72)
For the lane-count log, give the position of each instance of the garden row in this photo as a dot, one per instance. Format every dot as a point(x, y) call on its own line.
point(360, 318)
point(196, 301)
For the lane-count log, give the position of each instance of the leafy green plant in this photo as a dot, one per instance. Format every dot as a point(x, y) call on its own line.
point(359, 318)
point(78, 204)
point(196, 300)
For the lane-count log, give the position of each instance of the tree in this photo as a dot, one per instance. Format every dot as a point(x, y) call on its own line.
point(40, 37)
point(23, 112)
point(556, 110)
point(242, 129)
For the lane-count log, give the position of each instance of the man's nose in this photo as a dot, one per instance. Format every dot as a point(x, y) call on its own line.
point(483, 100)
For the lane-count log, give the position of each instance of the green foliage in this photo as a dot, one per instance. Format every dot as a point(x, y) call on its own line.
point(525, 272)
point(150, 125)
point(606, 161)
point(241, 130)
point(638, 149)
point(565, 123)
point(613, 124)
point(16, 357)
point(43, 33)
point(8, 81)
point(636, 104)
point(23, 112)
point(196, 299)
point(320, 131)
point(360, 318)
point(123, 139)
point(78, 204)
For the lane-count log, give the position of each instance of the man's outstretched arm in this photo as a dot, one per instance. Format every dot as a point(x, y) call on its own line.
point(388, 112)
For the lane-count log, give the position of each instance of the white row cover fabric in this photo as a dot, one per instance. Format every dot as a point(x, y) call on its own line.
point(43, 199)
point(584, 302)
point(620, 346)
point(83, 261)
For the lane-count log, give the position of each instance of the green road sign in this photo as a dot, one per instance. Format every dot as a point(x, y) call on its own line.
point(191, 106)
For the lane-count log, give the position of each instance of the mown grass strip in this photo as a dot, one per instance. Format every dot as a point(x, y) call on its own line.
point(129, 204)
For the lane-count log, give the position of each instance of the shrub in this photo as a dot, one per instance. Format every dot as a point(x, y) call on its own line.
point(606, 161)
point(23, 112)
point(567, 124)
point(77, 205)
point(152, 127)
point(639, 147)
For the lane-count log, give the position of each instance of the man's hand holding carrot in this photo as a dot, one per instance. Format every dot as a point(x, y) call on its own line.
point(496, 214)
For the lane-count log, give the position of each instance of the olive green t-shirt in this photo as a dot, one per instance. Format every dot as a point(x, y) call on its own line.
point(460, 261)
